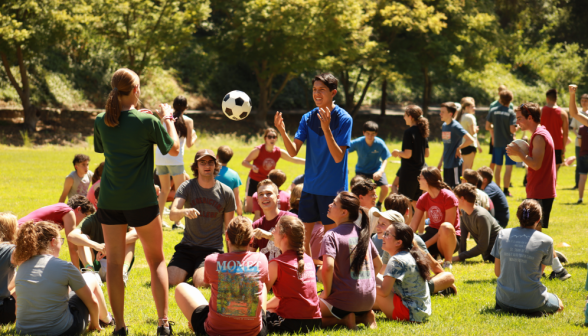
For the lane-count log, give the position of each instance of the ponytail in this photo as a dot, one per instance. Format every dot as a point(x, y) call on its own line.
point(465, 102)
point(417, 114)
point(123, 82)
point(363, 242)
point(421, 263)
point(33, 239)
point(433, 177)
point(293, 228)
point(180, 104)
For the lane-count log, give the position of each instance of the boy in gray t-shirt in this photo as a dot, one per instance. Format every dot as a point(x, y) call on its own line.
point(208, 206)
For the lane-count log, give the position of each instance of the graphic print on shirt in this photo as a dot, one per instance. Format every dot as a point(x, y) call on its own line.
point(446, 136)
point(364, 272)
point(269, 164)
point(238, 285)
point(211, 202)
point(271, 250)
point(435, 213)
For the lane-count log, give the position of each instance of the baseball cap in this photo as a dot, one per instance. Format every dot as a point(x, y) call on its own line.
point(391, 215)
point(204, 152)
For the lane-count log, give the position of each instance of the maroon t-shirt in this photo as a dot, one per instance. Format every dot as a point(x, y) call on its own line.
point(51, 213)
point(265, 246)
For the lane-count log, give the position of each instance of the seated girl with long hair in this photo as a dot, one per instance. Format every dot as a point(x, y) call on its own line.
point(404, 294)
point(45, 304)
point(350, 264)
point(8, 224)
point(238, 282)
point(295, 306)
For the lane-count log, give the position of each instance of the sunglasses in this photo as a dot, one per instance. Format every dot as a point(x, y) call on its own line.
point(272, 136)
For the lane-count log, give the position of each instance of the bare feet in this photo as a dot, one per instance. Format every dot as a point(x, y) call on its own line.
point(349, 321)
point(369, 320)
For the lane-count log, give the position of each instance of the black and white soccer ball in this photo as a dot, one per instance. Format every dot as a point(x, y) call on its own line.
point(236, 105)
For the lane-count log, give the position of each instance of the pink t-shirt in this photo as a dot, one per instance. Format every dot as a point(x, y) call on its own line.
point(298, 297)
point(351, 292)
point(436, 207)
point(236, 281)
point(283, 202)
point(91, 196)
point(265, 246)
point(52, 213)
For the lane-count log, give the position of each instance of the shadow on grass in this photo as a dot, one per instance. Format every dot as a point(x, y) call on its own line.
point(483, 281)
point(573, 203)
point(147, 284)
point(493, 311)
point(578, 264)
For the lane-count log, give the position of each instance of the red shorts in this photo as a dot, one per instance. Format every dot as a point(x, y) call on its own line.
point(400, 312)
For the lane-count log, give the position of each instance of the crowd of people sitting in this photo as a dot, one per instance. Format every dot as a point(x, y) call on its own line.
point(319, 230)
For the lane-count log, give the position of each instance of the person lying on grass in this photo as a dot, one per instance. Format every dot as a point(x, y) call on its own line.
point(295, 306)
point(238, 281)
point(404, 294)
point(348, 278)
point(43, 281)
point(519, 288)
point(8, 226)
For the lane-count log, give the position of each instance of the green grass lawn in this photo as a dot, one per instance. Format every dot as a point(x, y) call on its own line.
point(32, 178)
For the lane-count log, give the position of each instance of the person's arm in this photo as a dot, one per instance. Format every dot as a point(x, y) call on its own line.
point(497, 267)
point(488, 126)
point(228, 217)
point(191, 136)
point(573, 110)
point(427, 153)
point(433, 264)
point(405, 154)
point(468, 141)
point(440, 165)
point(386, 288)
point(131, 236)
point(462, 245)
point(337, 152)
point(273, 273)
point(327, 271)
point(378, 175)
point(238, 201)
point(538, 153)
point(167, 111)
point(178, 212)
point(66, 188)
point(416, 219)
point(69, 224)
point(252, 156)
point(451, 215)
point(292, 147)
point(284, 155)
point(91, 303)
point(377, 260)
point(482, 241)
point(565, 127)
point(80, 239)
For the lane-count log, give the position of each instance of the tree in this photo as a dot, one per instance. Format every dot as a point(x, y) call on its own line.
point(144, 31)
point(28, 28)
point(279, 38)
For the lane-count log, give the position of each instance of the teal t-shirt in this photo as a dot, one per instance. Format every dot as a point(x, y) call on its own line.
point(127, 179)
point(229, 177)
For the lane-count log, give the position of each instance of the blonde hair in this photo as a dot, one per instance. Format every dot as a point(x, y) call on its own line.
point(465, 102)
point(269, 182)
point(293, 228)
point(33, 239)
point(8, 225)
point(123, 82)
point(240, 231)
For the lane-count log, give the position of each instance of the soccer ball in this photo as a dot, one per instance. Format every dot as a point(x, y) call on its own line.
point(236, 105)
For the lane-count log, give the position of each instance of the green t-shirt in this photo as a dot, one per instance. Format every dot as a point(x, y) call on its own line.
point(92, 227)
point(127, 179)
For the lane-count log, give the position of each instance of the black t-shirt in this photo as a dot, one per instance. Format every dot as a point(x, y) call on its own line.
point(414, 141)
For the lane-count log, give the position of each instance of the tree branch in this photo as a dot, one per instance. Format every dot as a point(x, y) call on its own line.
point(277, 93)
point(371, 78)
point(150, 39)
point(357, 82)
point(10, 75)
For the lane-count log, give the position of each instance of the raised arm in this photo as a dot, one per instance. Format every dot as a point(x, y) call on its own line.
point(165, 114)
point(292, 147)
point(574, 109)
point(286, 156)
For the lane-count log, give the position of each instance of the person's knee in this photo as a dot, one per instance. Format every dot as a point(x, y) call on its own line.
point(175, 276)
point(446, 229)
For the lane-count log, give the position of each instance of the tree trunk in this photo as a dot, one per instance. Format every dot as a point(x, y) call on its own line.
point(426, 91)
point(363, 93)
point(383, 101)
point(260, 117)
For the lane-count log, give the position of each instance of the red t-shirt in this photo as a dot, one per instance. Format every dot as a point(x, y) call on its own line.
point(266, 246)
point(51, 213)
point(265, 162)
point(551, 119)
point(436, 207)
point(541, 183)
point(236, 282)
point(283, 202)
point(298, 297)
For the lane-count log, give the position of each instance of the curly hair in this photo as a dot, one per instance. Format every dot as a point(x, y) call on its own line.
point(240, 231)
point(8, 226)
point(217, 168)
point(293, 228)
point(81, 201)
point(33, 239)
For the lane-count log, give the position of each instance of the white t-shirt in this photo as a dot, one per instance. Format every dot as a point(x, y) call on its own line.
point(575, 125)
point(168, 160)
point(469, 121)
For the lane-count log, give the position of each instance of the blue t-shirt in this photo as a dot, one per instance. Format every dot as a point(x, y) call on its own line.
point(501, 212)
point(369, 158)
point(228, 177)
point(322, 176)
point(502, 118)
point(452, 135)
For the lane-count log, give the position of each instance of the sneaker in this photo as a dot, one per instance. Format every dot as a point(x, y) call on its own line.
point(178, 226)
point(447, 291)
point(164, 331)
point(166, 211)
point(164, 224)
point(507, 193)
point(121, 332)
point(580, 201)
point(562, 258)
point(447, 265)
point(125, 278)
point(563, 275)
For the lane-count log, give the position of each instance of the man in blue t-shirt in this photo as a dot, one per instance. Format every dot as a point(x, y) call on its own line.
point(327, 131)
point(452, 135)
point(503, 121)
point(372, 156)
point(227, 176)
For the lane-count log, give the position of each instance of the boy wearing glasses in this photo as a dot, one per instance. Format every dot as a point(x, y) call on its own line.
point(208, 206)
point(502, 120)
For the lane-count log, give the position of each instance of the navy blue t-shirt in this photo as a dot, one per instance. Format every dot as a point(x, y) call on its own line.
point(501, 212)
point(322, 176)
point(452, 135)
point(369, 158)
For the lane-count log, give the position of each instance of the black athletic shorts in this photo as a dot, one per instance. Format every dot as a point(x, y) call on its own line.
point(546, 205)
point(468, 150)
point(134, 218)
point(81, 315)
point(433, 250)
point(8, 311)
point(277, 324)
point(383, 180)
point(340, 313)
point(251, 186)
point(452, 176)
point(558, 156)
point(200, 315)
point(409, 185)
point(190, 258)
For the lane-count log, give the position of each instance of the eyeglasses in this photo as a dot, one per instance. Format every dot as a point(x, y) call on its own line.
point(62, 240)
point(272, 136)
point(207, 163)
point(387, 234)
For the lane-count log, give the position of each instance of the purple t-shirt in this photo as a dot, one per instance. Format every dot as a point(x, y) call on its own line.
point(350, 292)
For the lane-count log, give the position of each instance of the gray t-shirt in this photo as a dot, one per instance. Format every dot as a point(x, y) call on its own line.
point(502, 118)
point(420, 242)
point(6, 270)
point(483, 228)
point(522, 252)
point(80, 184)
point(207, 229)
point(42, 288)
point(410, 285)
